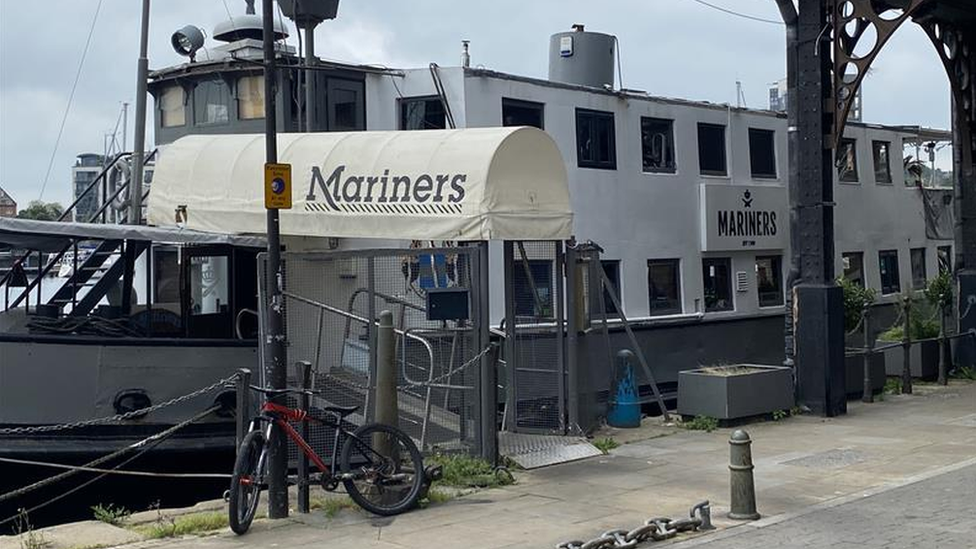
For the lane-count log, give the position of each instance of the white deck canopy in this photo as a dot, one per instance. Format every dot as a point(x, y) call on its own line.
point(471, 184)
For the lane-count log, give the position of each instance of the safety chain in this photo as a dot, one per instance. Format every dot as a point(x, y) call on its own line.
point(653, 529)
point(450, 373)
point(118, 417)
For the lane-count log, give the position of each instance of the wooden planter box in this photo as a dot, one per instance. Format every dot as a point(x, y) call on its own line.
point(855, 374)
point(736, 391)
point(924, 359)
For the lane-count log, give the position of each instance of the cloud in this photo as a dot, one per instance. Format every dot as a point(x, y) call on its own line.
point(677, 49)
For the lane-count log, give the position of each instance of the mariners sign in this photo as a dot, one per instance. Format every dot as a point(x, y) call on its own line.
point(420, 193)
point(736, 217)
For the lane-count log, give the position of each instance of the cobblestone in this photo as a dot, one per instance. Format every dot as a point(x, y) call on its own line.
point(938, 513)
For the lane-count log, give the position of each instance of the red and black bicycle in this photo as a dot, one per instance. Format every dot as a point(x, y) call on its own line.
point(379, 465)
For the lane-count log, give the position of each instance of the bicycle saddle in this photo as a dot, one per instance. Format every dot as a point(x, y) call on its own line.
point(343, 411)
point(275, 392)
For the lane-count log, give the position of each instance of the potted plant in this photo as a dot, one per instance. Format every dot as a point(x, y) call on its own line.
point(857, 304)
point(923, 355)
point(734, 391)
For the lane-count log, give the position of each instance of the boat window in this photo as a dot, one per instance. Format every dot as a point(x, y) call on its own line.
point(210, 100)
point(919, 274)
point(854, 267)
point(769, 277)
point(711, 149)
point(422, 113)
point(657, 145)
point(717, 276)
point(166, 270)
point(847, 161)
point(347, 109)
point(664, 286)
point(516, 112)
point(611, 267)
point(172, 107)
point(533, 297)
point(595, 140)
point(945, 259)
point(209, 285)
point(762, 153)
point(250, 97)
point(882, 166)
point(888, 261)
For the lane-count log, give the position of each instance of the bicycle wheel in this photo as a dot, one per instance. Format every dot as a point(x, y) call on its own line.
point(245, 483)
point(386, 469)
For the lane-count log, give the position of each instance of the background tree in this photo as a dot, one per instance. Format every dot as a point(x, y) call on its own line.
point(41, 211)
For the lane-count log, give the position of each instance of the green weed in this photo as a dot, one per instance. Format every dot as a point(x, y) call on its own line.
point(111, 514)
point(701, 423)
point(606, 444)
point(965, 372)
point(892, 386)
point(197, 523)
point(464, 471)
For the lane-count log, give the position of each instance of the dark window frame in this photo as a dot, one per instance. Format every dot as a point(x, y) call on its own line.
point(525, 303)
point(885, 178)
point(523, 104)
point(918, 282)
point(357, 87)
point(725, 262)
point(754, 158)
point(843, 175)
point(614, 278)
point(860, 259)
point(669, 161)
point(722, 151)
point(591, 117)
point(402, 104)
point(777, 270)
point(892, 285)
point(676, 306)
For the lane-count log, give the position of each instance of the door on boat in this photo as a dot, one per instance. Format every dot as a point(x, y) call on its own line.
point(218, 283)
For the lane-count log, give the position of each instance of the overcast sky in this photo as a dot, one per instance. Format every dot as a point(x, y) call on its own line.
point(676, 48)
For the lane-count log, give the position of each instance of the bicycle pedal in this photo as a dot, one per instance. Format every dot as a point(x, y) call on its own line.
point(226, 496)
point(433, 473)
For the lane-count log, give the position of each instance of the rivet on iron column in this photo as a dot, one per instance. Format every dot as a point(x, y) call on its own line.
point(743, 506)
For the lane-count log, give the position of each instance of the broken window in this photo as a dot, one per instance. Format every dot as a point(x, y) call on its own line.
point(854, 267)
point(422, 113)
point(595, 141)
point(762, 153)
point(172, 107)
point(919, 274)
point(657, 145)
point(847, 161)
point(945, 259)
point(882, 165)
point(250, 97)
point(711, 149)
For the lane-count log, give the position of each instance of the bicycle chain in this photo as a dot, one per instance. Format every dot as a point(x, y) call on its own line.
point(118, 417)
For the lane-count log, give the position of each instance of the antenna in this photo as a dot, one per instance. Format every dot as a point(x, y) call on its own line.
point(250, 7)
point(740, 96)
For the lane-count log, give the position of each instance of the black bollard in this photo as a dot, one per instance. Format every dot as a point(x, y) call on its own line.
point(743, 506)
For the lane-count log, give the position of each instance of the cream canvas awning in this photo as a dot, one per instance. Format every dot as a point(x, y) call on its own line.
point(471, 184)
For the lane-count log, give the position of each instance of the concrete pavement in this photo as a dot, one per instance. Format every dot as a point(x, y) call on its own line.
point(801, 463)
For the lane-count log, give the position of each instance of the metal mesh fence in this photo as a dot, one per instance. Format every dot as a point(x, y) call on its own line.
point(330, 299)
point(534, 354)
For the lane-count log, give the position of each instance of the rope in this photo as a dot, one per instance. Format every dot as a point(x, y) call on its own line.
point(145, 445)
point(82, 468)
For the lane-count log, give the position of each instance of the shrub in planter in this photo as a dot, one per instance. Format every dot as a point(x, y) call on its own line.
point(857, 300)
point(735, 391)
point(924, 357)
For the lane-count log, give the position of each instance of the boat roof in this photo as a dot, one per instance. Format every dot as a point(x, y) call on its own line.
point(53, 236)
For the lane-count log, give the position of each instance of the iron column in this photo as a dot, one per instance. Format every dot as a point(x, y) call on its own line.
point(139, 146)
point(274, 344)
point(309, 75)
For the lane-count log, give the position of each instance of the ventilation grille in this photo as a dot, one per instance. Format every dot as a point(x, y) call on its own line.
point(741, 281)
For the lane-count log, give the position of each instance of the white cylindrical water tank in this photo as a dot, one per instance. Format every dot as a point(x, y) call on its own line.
point(581, 57)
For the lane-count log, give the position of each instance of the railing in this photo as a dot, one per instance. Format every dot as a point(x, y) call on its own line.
point(52, 261)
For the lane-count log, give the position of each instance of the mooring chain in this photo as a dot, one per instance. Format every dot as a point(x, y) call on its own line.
point(653, 529)
point(119, 417)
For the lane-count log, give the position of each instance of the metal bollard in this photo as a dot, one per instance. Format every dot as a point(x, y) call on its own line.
point(386, 377)
point(743, 505)
point(624, 403)
point(243, 393)
point(304, 368)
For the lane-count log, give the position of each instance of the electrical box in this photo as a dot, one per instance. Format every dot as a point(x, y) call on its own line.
point(448, 304)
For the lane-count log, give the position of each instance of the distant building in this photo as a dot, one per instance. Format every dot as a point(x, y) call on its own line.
point(86, 169)
point(8, 206)
point(779, 100)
